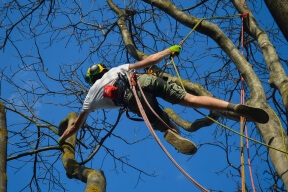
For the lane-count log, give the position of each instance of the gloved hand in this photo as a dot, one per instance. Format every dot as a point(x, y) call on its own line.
point(175, 49)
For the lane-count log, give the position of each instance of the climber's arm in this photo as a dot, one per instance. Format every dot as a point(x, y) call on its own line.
point(155, 58)
point(74, 127)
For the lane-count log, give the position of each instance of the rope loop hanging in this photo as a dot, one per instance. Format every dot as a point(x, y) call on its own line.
point(133, 82)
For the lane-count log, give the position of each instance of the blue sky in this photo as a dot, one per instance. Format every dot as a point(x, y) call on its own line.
point(205, 166)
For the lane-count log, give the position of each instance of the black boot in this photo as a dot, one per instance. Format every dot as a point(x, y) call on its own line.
point(255, 114)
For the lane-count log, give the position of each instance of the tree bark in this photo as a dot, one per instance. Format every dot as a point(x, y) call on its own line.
point(94, 179)
point(279, 11)
point(3, 149)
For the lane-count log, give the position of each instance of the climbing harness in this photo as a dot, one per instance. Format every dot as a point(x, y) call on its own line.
point(133, 83)
point(122, 85)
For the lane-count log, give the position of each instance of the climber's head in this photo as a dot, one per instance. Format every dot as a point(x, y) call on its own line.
point(95, 72)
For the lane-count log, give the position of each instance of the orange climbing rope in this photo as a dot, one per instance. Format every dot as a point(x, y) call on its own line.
point(243, 122)
point(133, 82)
point(242, 125)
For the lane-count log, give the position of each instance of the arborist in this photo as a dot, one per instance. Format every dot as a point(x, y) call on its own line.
point(110, 89)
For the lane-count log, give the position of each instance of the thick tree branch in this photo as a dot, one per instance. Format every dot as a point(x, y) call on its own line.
point(94, 179)
point(126, 35)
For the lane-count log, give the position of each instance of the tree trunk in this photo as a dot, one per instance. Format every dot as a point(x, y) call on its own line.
point(3, 149)
point(272, 132)
point(279, 11)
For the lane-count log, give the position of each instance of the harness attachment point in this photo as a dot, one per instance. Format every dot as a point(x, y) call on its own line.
point(133, 78)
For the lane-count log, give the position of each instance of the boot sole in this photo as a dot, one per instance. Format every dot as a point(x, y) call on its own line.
point(255, 114)
point(183, 145)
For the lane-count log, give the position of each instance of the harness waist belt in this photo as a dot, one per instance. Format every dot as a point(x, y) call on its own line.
point(123, 87)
